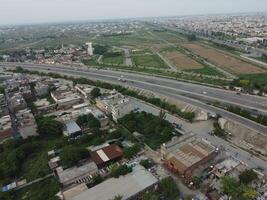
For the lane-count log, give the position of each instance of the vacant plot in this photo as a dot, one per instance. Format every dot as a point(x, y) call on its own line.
point(224, 61)
point(182, 61)
point(148, 61)
point(117, 60)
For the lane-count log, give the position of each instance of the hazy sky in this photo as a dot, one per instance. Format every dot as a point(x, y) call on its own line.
point(28, 11)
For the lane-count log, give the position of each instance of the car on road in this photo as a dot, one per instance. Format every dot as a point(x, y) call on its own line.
point(122, 79)
point(204, 92)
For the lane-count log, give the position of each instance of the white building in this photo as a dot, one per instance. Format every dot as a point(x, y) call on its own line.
point(26, 124)
point(90, 50)
point(115, 104)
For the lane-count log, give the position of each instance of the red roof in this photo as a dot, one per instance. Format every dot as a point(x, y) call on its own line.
point(6, 134)
point(113, 152)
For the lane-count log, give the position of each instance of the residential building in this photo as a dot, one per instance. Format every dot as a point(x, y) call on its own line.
point(106, 155)
point(183, 155)
point(115, 104)
point(6, 130)
point(84, 90)
point(65, 98)
point(130, 186)
point(26, 123)
point(41, 89)
point(71, 129)
point(75, 174)
point(17, 102)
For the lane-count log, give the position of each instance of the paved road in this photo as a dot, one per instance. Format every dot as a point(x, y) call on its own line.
point(194, 91)
point(187, 92)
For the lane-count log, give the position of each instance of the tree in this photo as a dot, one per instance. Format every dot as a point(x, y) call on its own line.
point(95, 93)
point(145, 163)
point(248, 193)
point(151, 196)
point(247, 176)
point(118, 197)
point(71, 155)
point(131, 151)
point(49, 126)
point(196, 181)
point(88, 121)
point(169, 188)
point(97, 179)
point(117, 171)
point(230, 186)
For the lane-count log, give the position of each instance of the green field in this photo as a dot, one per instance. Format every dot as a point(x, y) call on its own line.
point(207, 71)
point(117, 60)
point(148, 61)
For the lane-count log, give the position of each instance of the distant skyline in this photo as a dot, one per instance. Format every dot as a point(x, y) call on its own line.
point(47, 11)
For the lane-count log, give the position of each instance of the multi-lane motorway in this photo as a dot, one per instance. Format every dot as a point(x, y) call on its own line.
point(194, 94)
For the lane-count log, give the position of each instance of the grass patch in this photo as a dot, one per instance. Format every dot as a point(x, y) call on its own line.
point(117, 60)
point(148, 61)
point(206, 71)
point(260, 79)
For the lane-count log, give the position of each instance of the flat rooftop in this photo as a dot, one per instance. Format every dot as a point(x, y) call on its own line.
point(190, 152)
point(72, 173)
point(126, 186)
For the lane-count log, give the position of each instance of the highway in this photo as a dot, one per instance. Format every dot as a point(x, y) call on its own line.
point(193, 94)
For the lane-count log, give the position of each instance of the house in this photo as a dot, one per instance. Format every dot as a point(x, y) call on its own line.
point(65, 98)
point(130, 186)
point(17, 102)
point(41, 89)
point(84, 90)
point(115, 104)
point(106, 155)
point(97, 113)
point(76, 174)
point(6, 130)
point(183, 155)
point(26, 123)
point(71, 129)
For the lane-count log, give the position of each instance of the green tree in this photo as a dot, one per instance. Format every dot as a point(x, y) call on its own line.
point(169, 188)
point(247, 176)
point(145, 163)
point(49, 126)
point(130, 152)
point(117, 197)
point(88, 121)
point(230, 186)
point(95, 93)
point(71, 155)
point(196, 181)
point(151, 196)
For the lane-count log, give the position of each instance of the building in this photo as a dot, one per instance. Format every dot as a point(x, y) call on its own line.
point(65, 98)
point(229, 167)
point(183, 155)
point(6, 130)
point(71, 129)
point(129, 187)
point(3, 105)
point(26, 124)
point(90, 50)
point(115, 104)
point(41, 89)
point(121, 108)
point(17, 102)
point(98, 114)
point(84, 90)
point(76, 174)
point(106, 155)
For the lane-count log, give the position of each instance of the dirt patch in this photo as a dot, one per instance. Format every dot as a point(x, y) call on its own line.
point(224, 61)
point(182, 61)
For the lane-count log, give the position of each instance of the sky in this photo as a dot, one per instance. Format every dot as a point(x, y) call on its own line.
point(40, 11)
